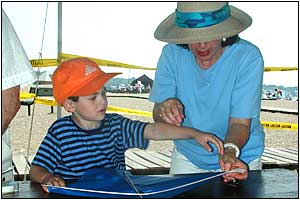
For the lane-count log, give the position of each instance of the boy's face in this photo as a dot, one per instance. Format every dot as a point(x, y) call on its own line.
point(92, 107)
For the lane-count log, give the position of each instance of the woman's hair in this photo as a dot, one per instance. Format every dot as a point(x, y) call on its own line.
point(228, 42)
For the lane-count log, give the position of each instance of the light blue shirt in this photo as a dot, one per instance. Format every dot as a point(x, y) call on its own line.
point(231, 88)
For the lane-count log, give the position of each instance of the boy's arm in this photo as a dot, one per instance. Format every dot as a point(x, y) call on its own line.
point(163, 131)
point(41, 175)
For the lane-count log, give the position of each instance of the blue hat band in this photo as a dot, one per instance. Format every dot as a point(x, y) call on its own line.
point(201, 19)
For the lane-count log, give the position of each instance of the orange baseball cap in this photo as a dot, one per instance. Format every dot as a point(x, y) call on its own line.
point(78, 77)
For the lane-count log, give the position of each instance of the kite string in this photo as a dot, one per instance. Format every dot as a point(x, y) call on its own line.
point(132, 184)
point(36, 89)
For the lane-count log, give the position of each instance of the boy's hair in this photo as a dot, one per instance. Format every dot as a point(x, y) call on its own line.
point(74, 98)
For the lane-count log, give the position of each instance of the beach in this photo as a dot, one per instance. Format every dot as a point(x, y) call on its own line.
point(43, 118)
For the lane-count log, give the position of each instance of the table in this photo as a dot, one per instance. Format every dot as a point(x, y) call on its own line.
point(42, 90)
point(268, 183)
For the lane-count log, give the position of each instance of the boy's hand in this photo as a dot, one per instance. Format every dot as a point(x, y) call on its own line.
point(205, 138)
point(54, 181)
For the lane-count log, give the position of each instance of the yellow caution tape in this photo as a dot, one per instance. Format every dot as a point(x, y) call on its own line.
point(279, 125)
point(129, 111)
point(44, 62)
point(45, 101)
point(115, 109)
point(102, 62)
point(64, 56)
point(26, 95)
point(271, 125)
point(39, 100)
point(273, 69)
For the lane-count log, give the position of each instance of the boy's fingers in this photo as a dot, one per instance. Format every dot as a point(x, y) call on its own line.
point(218, 144)
point(207, 147)
point(221, 150)
point(45, 189)
point(55, 182)
point(61, 183)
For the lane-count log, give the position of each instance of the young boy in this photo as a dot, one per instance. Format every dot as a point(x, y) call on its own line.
point(91, 138)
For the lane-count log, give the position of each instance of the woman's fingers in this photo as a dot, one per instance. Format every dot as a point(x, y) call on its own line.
point(230, 164)
point(171, 111)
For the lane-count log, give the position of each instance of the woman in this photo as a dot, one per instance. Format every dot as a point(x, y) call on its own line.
point(210, 79)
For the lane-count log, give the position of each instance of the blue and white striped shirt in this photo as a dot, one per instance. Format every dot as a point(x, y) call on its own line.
point(68, 150)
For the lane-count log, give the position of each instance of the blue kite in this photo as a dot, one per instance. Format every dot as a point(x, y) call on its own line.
point(114, 183)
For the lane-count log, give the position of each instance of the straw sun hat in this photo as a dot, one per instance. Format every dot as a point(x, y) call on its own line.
point(195, 22)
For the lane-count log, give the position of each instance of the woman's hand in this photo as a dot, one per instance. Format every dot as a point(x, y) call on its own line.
point(171, 111)
point(228, 161)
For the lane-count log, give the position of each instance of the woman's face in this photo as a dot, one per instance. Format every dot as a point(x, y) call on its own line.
point(206, 53)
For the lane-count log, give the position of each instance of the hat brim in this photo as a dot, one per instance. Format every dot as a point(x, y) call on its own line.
point(93, 85)
point(89, 88)
point(169, 32)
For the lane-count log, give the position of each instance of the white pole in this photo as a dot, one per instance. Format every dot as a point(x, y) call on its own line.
point(59, 44)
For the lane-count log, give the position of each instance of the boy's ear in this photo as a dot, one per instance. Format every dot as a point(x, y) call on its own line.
point(68, 104)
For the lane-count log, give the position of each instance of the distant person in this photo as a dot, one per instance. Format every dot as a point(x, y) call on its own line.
point(148, 88)
point(139, 87)
point(210, 79)
point(90, 137)
point(16, 70)
point(278, 93)
point(269, 95)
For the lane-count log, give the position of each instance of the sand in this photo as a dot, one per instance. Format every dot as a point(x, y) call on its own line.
point(42, 119)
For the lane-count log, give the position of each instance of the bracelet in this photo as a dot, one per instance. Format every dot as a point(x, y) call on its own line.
point(233, 146)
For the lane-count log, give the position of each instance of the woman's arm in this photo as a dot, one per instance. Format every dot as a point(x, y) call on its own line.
point(238, 135)
point(238, 132)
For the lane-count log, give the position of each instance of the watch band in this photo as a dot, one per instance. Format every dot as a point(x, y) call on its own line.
point(233, 146)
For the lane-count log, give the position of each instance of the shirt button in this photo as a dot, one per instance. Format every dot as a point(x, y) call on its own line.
point(206, 83)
